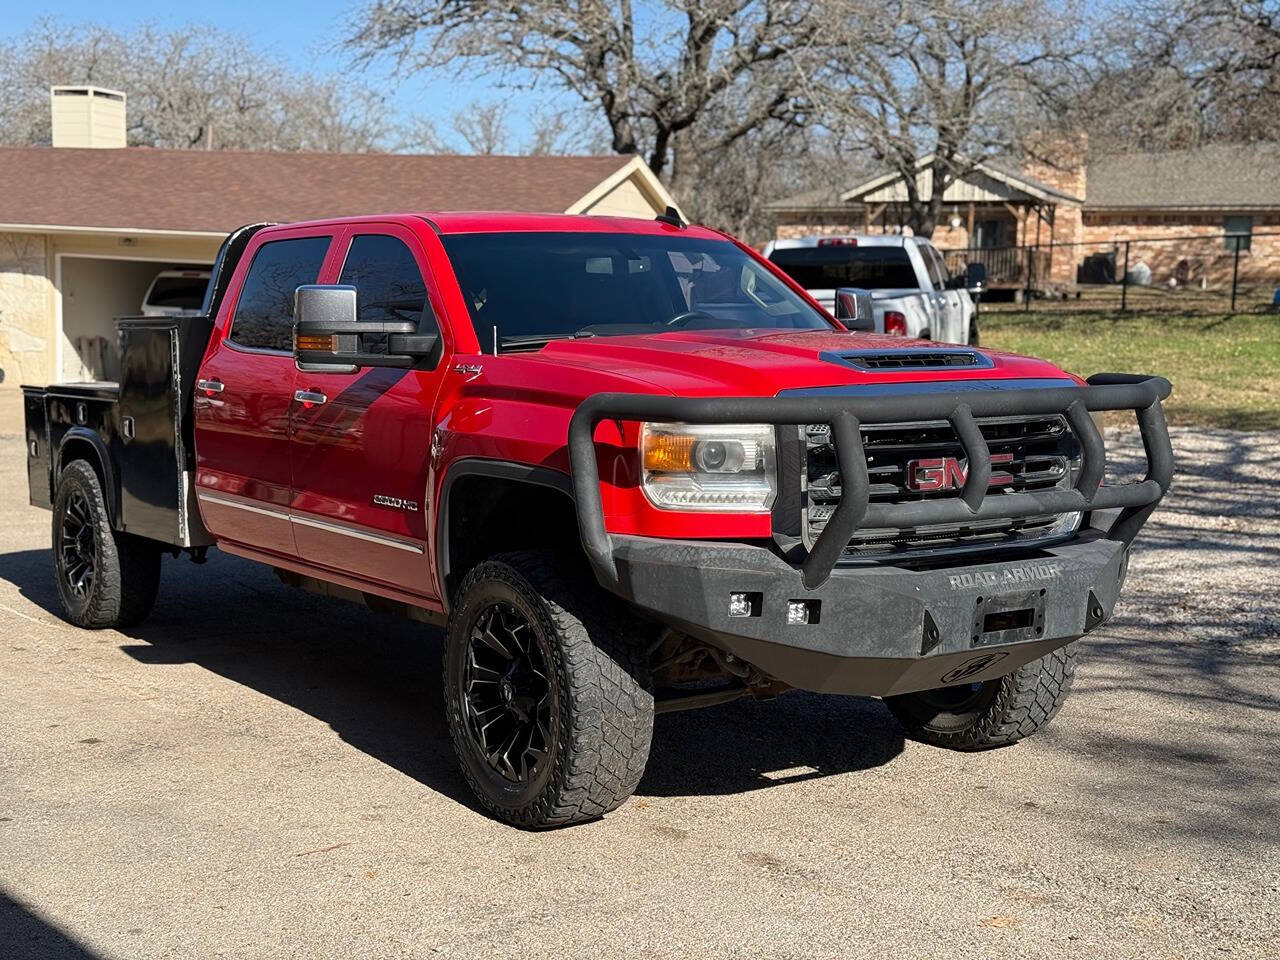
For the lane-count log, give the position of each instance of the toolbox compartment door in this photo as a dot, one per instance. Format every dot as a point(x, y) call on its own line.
point(39, 460)
point(158, 361)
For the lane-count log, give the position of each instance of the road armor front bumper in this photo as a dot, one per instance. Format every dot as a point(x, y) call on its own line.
point(881, 629)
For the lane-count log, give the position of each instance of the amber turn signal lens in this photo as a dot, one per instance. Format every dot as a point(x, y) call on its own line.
point(668, 452)
point(306, 342)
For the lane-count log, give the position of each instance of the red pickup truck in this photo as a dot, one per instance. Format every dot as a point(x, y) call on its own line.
point(630, 466)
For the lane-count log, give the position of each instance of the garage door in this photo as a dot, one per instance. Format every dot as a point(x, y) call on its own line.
point(95, 291)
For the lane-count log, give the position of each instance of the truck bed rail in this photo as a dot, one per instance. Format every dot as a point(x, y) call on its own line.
point(845, 415)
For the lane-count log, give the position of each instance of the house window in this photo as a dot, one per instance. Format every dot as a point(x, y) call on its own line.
point(1239, 231)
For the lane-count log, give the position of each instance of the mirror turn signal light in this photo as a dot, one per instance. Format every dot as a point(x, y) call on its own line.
point(329, 343)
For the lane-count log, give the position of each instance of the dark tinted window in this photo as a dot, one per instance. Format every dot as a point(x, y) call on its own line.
point(548, 285)
point(386, 277)
point(186, 293)
point(264, 312)
point(821, 268)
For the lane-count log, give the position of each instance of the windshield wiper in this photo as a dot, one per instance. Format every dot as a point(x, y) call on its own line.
point(529, 340)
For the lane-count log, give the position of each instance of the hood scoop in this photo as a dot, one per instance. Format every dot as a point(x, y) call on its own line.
point(909, 358)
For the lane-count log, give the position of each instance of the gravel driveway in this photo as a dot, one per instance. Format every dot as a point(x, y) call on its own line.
point(257, 772)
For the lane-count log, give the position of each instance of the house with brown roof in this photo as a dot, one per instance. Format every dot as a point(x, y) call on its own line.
point(1181, 213)
point(85, 229)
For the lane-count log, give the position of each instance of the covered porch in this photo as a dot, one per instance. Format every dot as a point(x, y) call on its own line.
point(1004, 219)
point(990, 215)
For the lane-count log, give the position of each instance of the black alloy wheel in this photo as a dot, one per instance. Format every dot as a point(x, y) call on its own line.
point(506, 693)
point(546, 689)
point(78, 549)
point(105, 578)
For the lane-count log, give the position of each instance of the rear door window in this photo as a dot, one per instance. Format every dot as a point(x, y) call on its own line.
point(873, 268)
point(264, 311)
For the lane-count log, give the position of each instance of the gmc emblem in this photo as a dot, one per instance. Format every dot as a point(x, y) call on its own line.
point(948, 473)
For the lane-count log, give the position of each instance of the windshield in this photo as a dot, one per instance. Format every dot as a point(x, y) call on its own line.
point(536, 287)
point(872, 268)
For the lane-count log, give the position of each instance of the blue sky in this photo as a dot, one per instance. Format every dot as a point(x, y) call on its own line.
point(299, 31)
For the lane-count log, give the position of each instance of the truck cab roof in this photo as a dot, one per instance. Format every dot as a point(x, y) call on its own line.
point(487, 221)
point(843, 240)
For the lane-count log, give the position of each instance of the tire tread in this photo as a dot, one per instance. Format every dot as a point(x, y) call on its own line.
point(1025, 700)
point(127, 577)
point(602, 661)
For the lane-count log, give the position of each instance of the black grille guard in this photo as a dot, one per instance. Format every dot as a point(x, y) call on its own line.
point(845, 415)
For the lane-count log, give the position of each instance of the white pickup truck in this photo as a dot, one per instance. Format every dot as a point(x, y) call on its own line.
point(912, 294)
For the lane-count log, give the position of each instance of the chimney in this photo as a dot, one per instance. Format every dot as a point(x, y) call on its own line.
point(87, 117)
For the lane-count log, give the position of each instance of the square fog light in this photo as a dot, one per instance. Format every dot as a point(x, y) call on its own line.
point(745, 604)
point(802, 611)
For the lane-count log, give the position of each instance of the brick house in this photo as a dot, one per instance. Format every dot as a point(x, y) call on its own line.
point(1182, 213)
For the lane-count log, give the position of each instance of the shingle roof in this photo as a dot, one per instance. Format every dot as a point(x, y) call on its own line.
point(827, 197)
point(1226, 176)
point(817, 198)
point(189, 190)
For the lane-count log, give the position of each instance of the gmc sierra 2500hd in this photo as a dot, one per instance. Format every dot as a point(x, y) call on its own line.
point(630, 466)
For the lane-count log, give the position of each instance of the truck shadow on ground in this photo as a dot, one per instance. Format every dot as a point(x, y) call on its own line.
point(27, 936)
point(375, 680)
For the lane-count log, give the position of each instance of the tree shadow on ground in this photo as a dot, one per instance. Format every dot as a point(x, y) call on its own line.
point(1200, 762)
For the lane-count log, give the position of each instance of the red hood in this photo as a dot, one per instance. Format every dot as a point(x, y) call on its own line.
point(753, 363)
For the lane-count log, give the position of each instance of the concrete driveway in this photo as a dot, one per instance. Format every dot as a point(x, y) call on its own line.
point(256, 772)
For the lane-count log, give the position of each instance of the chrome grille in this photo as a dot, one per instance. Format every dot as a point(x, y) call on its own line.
point(1028, 453)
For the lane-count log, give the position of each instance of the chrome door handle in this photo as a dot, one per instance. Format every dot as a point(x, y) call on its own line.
point(210, 386)
point(310, 396)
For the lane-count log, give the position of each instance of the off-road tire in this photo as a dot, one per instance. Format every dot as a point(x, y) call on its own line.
point(1001, 713)
point(126, 574)
point(601, 701)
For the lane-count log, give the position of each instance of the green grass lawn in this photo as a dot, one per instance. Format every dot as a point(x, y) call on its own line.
point(1225, 370)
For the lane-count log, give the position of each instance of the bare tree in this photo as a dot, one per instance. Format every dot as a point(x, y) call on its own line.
point(657, 79)
point(1180, 73)
point(936, 86)
point(484, 128)
point(193, 88)
point(489, 128)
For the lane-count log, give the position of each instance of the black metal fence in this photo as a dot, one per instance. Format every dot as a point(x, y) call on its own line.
point(1193, 273)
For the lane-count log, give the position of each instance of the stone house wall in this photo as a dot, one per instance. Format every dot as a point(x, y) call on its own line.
point(26, 306)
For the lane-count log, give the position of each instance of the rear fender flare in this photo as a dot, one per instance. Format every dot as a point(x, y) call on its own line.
point(82, 440)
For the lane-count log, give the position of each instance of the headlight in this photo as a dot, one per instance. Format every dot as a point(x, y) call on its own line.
point(727, 468)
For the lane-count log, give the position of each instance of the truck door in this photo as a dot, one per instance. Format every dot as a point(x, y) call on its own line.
point(244, 394)
point(362, 441)
point(931, 295)
point(951, 305)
